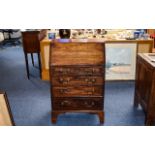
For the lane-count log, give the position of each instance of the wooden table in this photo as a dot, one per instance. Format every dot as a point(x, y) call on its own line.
point(140, 46)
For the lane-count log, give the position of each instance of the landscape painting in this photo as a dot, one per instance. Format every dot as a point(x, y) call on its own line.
point(120, 61)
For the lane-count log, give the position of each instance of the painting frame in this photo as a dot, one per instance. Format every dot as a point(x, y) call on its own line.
point(124, 69)
point(7, 107)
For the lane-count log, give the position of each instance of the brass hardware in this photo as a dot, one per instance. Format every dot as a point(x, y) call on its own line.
point(92, 103)
point(90, 80)
point(93, 70)
point(68, 79)
point(89, 104)
point(64, 70)
point(65, 102)
point(60, 70)
point(61, 80)
point(64, 90)
point(93, 80)
point(62, 103)
point(68, 70)
point(86, 80)
point(64, 81)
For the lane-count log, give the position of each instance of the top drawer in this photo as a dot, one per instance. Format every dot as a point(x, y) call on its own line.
point(94, 70)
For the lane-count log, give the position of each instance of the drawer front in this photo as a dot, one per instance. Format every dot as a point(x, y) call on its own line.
point(77, 103)
point(77, 80)
point(77, 91)
point(77, 53)
point(95, 70)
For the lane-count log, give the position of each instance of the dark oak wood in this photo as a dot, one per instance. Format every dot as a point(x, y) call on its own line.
point(76, 91)
point(27, 65)
point(74, 70)
point(82, 54)
point(145, 87)
point(77, 73)
point(77, 103)
point(31, 44)
point(32, 59)
point(77, 80)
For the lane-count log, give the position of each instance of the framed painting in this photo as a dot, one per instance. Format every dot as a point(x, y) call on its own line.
point(120, 61)
point(6, 118)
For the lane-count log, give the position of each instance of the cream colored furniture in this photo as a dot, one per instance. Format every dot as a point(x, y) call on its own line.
point(6, 118)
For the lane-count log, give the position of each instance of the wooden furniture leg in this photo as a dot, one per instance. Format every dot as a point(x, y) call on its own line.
point(39, 62)
point(27, 66)
point(32, 59)
point(54, 117)
point(136, 101)
point(101, 116)
point(149, 118)
point(149, 122)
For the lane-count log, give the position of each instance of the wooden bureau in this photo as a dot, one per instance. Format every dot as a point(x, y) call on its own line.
point(77, 75)
point(145, 87)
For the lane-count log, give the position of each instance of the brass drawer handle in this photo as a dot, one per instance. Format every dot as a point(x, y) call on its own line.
point(61, 80)
point(64, 70)
point(92, 103)
point(87, 80)
point(64, 81)
point(93, 80)
point(62, 91)
point(90, 71)
point(60, 70)
point(68, 70)
point(89, 104)
point(90, 80)
point(65, 103)
point(93, 70)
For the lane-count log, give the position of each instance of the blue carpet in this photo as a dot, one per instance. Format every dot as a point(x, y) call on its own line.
point(30, 99)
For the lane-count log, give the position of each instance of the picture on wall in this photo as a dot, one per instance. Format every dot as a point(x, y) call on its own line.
point(120, 61)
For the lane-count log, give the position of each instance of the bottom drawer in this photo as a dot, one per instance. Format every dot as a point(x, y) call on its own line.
point(77, 103)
